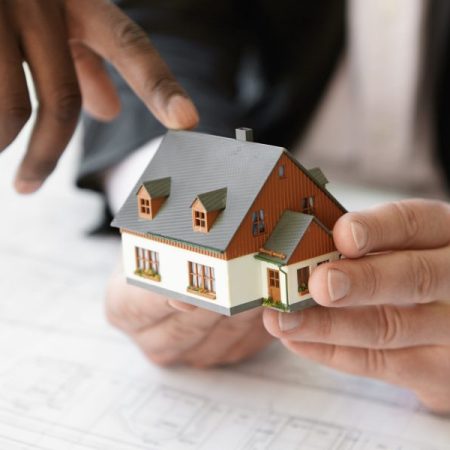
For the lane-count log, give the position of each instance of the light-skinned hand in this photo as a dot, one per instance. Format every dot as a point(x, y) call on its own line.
point(171, 332)
point(387, 309)
point(64, 43)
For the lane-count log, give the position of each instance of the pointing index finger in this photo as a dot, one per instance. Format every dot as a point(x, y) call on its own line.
point(109, 32)
point(409, 224)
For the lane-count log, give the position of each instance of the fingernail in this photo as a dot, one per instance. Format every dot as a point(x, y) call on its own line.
point(27, 186)
point(360, 235)
point(289, 321)
point(181, 113)
point(338, 284)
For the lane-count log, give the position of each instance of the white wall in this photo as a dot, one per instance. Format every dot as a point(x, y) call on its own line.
point(245, 282)
point(293, 293)
point(173, 267)
point(238, 280)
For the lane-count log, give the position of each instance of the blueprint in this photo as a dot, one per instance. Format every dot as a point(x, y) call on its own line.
point(70, 381)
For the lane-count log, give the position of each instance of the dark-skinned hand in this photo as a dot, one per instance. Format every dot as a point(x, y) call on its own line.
point(64, 43)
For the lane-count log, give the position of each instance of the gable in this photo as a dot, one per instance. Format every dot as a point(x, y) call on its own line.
point(143, 193)
point(198, 205)
point(279, 194)
point(315, 242)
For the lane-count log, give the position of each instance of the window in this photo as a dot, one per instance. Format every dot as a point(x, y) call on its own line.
point(308, 205)
point(274, 278)
point(147, 260)
point(145, 206)
point(258, 226)
point(199, 220)
point(281, 171)
point(302, 280)
point(201, 278)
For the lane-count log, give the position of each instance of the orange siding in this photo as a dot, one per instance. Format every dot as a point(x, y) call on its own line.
point(156, 205)
point(211, 218)
point(277, 195)
point(315, 242)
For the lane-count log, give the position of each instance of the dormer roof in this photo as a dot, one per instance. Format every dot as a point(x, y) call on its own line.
point(213, 200)
point(318, 176)
point(157, 188)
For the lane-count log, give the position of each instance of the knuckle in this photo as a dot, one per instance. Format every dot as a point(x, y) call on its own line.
point(17, 116)
point(422, 276)
point(65, 105)
point(129, 35)
point(325, 323)
point(410, 221)
point(389, 325)
point(371, 279)
point(42, 167)
point(163, 83)
point(330, 354)
point(374, 361)
point(37, 167)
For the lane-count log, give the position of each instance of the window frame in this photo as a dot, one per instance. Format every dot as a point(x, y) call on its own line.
point(202, 279)
point(258, 222)
point(145, 207)
point(200, 220)
point(302, 279)
point(308, 204)
point(146, 260)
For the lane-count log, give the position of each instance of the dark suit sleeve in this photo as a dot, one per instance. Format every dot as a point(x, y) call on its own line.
point(439, 64)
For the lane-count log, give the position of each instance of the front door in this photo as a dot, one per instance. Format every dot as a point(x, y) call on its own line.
point(273, 277)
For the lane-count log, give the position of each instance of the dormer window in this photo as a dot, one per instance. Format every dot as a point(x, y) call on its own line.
point(151, 195)
point(206, 208)
point(199, 220)
point(145, 209)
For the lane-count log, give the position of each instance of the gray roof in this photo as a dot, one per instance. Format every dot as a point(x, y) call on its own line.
point(214, 200)
point(318, 176)
point(199, 163)
point(157, 188)
point(287, 234)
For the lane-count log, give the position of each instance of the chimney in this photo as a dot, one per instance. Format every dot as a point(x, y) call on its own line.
point(244, 134)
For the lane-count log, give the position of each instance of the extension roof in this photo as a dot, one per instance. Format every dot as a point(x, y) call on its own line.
point(287, 235)
point(318, 176)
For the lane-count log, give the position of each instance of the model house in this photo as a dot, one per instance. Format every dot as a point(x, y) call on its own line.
point(227, 224)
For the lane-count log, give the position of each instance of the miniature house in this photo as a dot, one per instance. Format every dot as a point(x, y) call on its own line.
point(227, 224)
